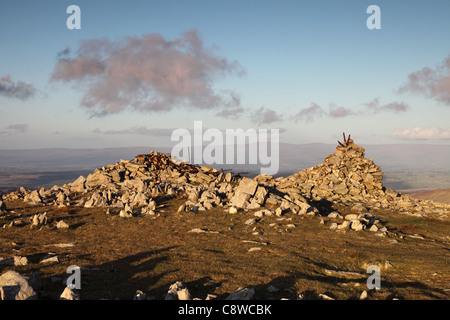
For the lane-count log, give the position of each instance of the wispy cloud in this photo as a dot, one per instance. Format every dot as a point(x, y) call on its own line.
point(148, 74)
point(139, 130)
point(421, 133)
point(340, 112)
point(16, 90)
point(432, 83)
point(265, 116)
point(396, 107)
point(14, 129)
point(309, 114)
point(315, 111)
point(231, 113)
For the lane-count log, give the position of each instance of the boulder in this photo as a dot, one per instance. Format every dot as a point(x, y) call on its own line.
point(98, 178)
point(14, 286)
point(178, 291)
point(69, 294)
point(242, 294)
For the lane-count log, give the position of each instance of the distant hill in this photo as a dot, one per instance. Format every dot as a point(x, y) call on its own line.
point(61, 159)
point(441, 195)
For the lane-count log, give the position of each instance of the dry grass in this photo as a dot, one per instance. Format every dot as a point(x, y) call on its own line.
point(119, 256)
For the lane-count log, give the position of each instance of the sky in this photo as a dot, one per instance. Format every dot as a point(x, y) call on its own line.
point(137, 70)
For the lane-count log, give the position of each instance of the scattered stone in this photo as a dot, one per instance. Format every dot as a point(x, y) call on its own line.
point(14, 261)
point(344, 225)
point(62, 225)
point(363, 295)
point(13, 286)
point(39, 219)
point(351, 217)
point(139, 295)
point(242, 294)
point(199, 230)
point(50, 259)
point(272, 289)
point(263, 213)
point(69, 294)
point(323, 296)
point(61, 245)
point(178, 291)
point(357, 225)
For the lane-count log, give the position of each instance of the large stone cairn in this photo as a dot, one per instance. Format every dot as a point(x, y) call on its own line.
point(346, 172)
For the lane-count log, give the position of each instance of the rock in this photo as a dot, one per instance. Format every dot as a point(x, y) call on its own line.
point(246, 189)
point(323, 296)
point(351, 217)
point(344, 225)
point(13, 286)
point(62, 225)
point(69, 294)
point(14, 261)
point(242, 294)
point(278, 212)
point(33, 198)
point(341, 189)
point(39, 219)
point(198, 230)
point(263, 213)
point(233, 210)
point(260, 195)
point(272, 289)
point(116, 176)
point(50, 259)
point(357, 225)
point(98, 178)
point(78, 185)
point(139, 295)
point(240, 200)
point(304, 208)
point(363, 295)
point(127, 212)
point(248, 186)
point(178, 291)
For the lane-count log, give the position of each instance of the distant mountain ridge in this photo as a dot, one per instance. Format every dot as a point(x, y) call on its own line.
point(293, 157)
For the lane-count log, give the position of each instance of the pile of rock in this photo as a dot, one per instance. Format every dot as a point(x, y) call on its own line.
point(135, 184)
point(346, 172)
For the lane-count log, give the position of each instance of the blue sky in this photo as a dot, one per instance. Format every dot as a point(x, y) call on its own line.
point(310, 68)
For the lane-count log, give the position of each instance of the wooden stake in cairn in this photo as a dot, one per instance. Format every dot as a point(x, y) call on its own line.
point(347, 141)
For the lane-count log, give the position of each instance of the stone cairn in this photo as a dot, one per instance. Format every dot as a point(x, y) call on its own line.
point(135, 187)
point(345, 173)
